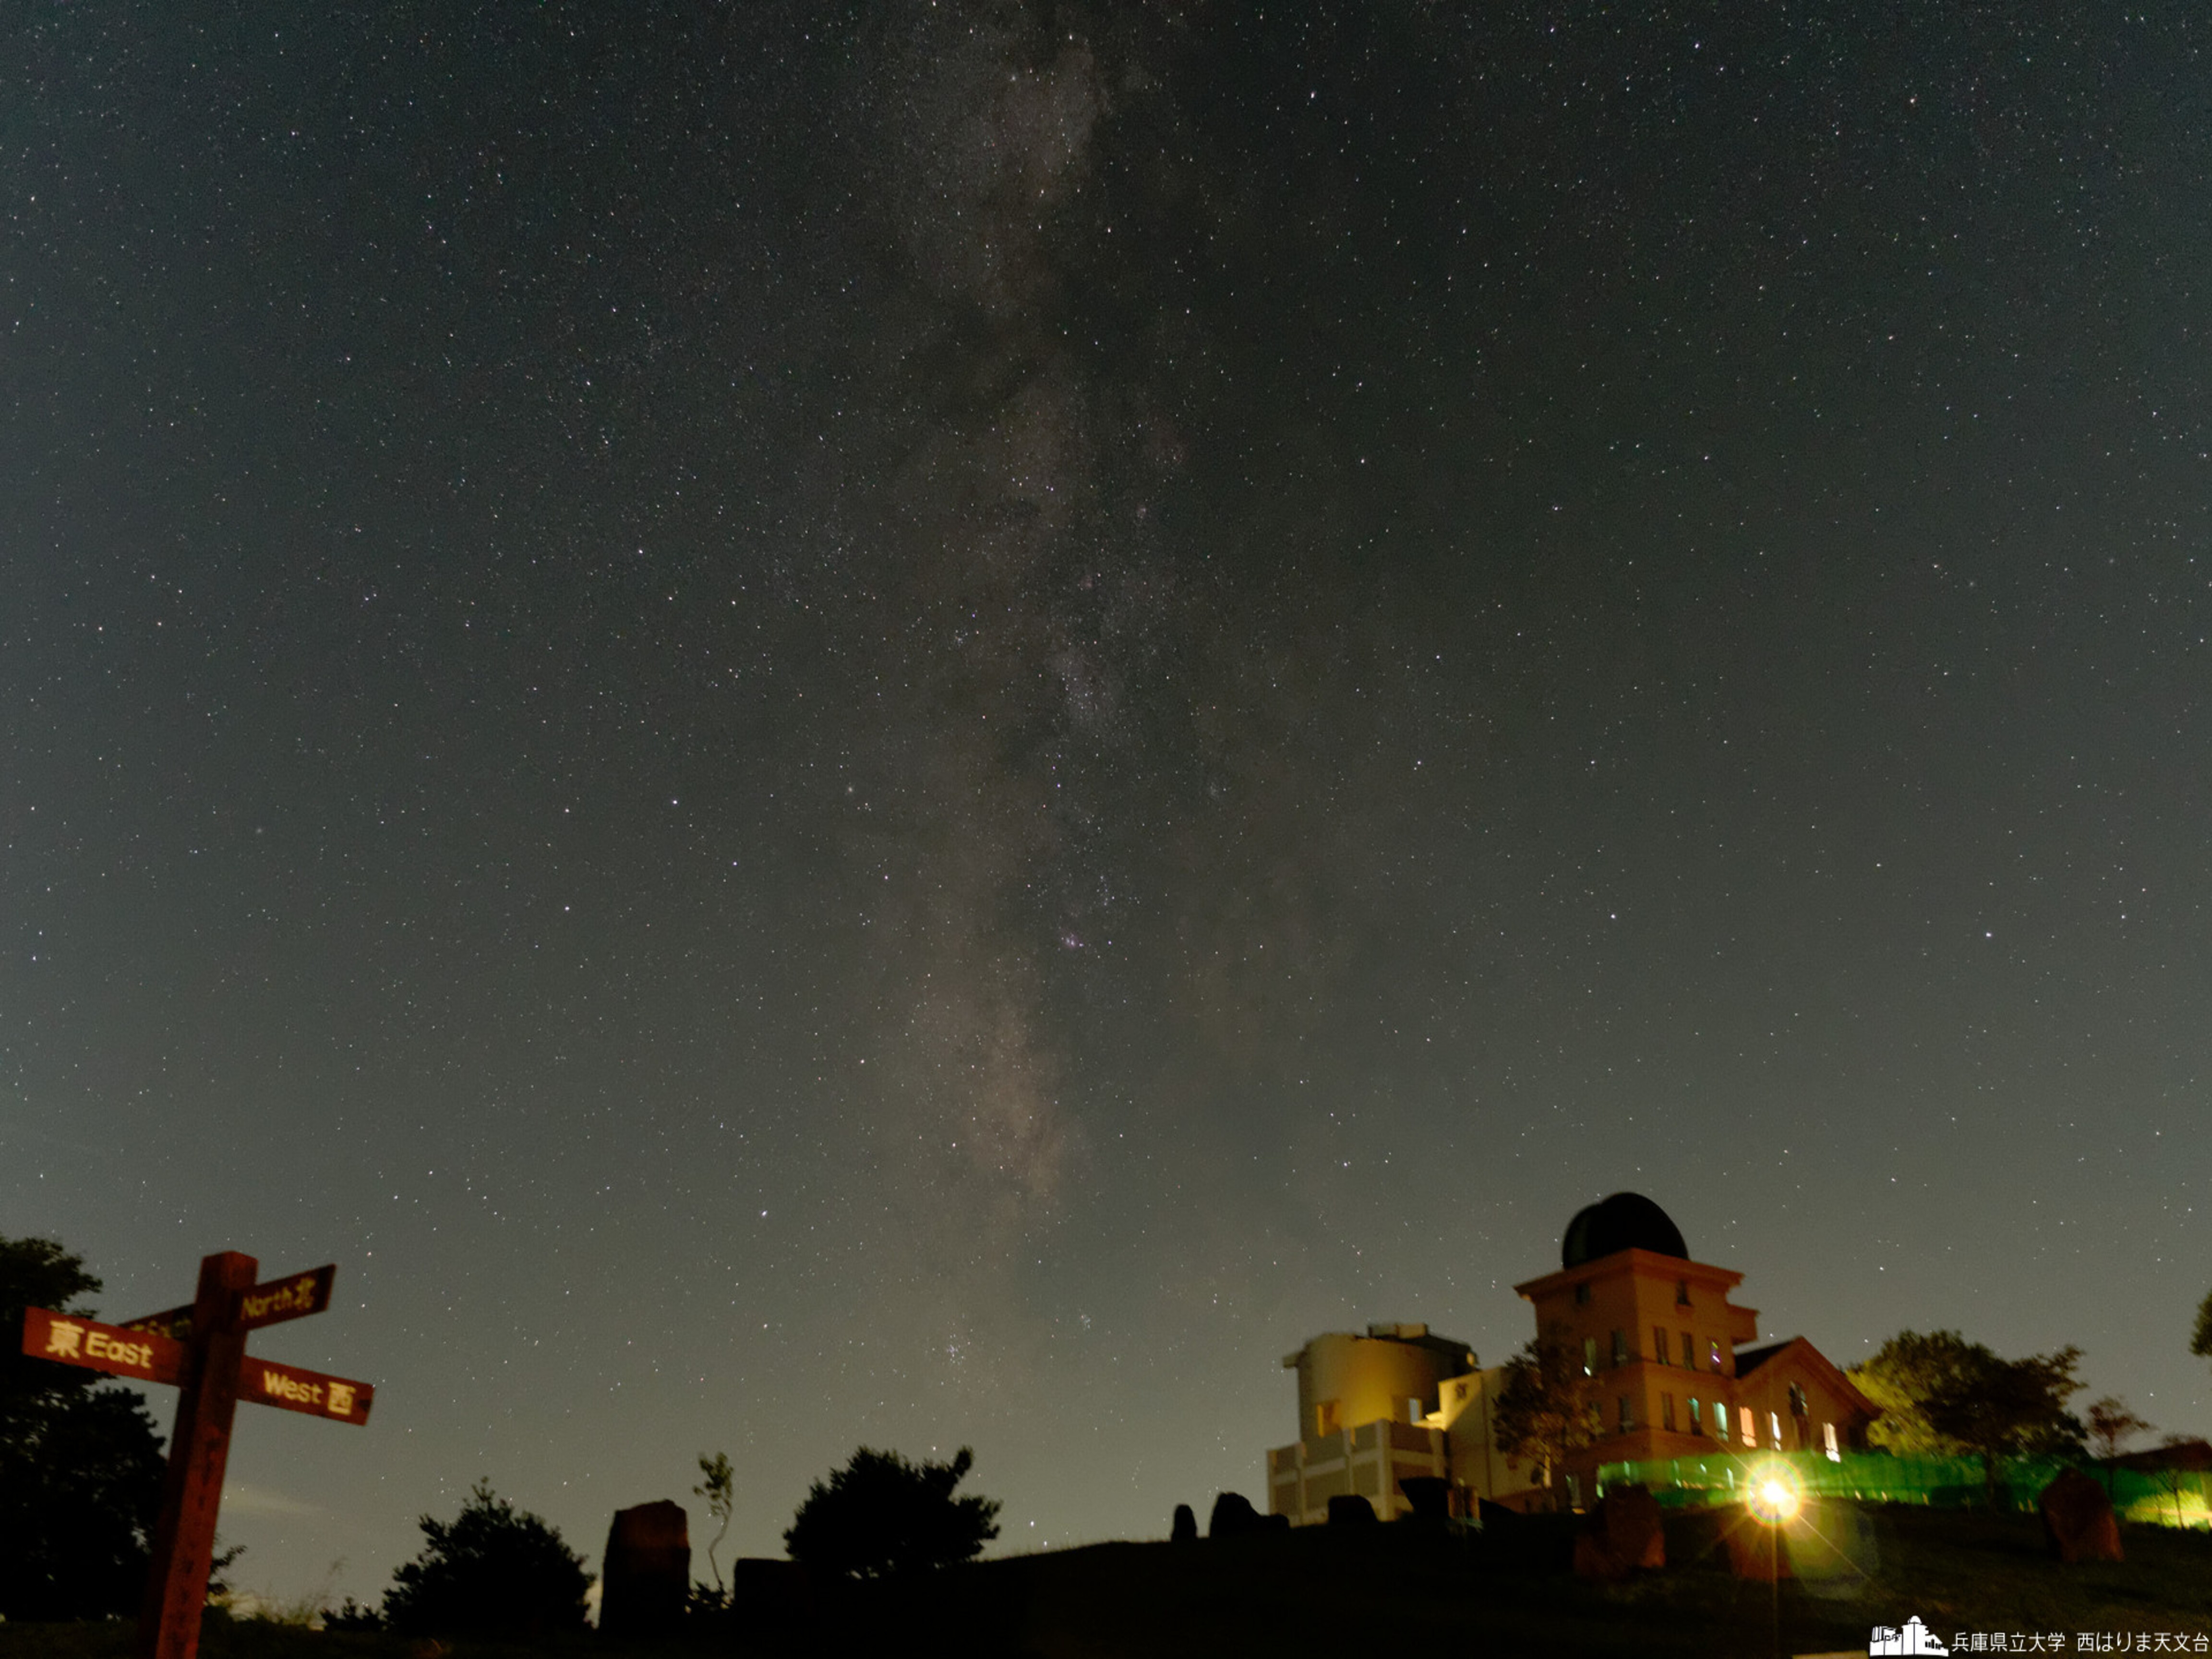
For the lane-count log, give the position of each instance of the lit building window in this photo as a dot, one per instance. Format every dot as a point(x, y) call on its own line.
point(1713, 1348)
point(1797, 1405)
point(1828, 1434)
point(1720, 1421)
point(1696, 1422)
point(1774, 1428)
point(1750, 1425)
point(1590, 1356)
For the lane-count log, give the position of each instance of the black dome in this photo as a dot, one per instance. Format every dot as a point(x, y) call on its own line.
point(1626, 1221)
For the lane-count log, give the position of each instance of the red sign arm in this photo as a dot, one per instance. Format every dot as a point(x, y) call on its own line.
point(265, 1383)
point(270, 1302)
point(67, 1339)
point(175, 1323)
point(292, 1297)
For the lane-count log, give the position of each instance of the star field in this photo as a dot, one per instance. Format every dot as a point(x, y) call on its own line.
point(927, 725)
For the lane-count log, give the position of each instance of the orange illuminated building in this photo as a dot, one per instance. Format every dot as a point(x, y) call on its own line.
point(1666, 1350)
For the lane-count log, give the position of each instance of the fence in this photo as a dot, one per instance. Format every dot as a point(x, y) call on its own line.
point(2172, 1497)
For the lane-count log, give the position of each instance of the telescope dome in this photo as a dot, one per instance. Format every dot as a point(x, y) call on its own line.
point(1626, 1221)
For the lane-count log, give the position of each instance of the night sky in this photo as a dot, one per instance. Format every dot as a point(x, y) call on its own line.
point(927, 725)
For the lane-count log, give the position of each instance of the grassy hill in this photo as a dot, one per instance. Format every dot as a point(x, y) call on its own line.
point(1323, 1589)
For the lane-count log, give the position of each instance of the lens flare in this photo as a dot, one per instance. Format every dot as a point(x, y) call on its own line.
point(1773, 1496)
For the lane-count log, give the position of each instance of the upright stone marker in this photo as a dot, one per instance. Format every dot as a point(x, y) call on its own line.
point(200, 1349)
point(648, 1571)
point(2078, 1523)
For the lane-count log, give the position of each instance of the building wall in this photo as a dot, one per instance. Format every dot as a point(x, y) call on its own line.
point(1627, 1315)
point(1390, 1375)
point(1455, 1443)
point(1795, 1400)
point(1369, 1462)
point(1478, 1470)
point(1367, 1419)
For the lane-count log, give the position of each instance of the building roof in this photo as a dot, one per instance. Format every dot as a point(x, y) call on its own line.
point(1454, 1352)
point(1749, 1360)
point(1626, 1221)
point(2174, 1454)
point(1629, 1261)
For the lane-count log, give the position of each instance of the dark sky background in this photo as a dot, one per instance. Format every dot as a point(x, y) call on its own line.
point(927, 725)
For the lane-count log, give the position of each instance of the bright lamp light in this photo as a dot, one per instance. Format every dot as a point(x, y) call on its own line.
point(1773, 1496)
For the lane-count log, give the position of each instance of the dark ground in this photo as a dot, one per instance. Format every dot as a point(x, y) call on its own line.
point(1320, 1588)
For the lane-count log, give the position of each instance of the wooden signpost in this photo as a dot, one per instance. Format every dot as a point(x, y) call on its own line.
point(200, 1349)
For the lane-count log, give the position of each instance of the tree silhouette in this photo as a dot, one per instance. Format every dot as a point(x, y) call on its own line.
point(1943, 1395)
point(492, 1571)
point(720, 1490)
point(881, 1516)
point(2200, 1343)
point(2006, 1407)
point(80, 1463)
point(1548, 1408)
point(2112, 1425)
point(2169, 1475)
point(1901, 1376)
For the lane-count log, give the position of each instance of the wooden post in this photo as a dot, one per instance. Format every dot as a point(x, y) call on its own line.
point(201, 1350)
point(184, 1539)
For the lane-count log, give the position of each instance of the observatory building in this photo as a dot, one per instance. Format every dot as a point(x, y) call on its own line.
point(1396, 1404)
point(1663, 1350)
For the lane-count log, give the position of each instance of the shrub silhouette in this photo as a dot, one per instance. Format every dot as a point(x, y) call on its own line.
point(493, 1571)
point(352, 1617)
point(881, 1516)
